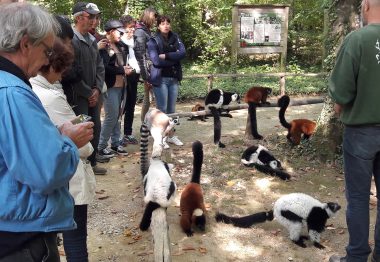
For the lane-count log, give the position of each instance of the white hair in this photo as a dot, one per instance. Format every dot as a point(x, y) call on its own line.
point(19, 19)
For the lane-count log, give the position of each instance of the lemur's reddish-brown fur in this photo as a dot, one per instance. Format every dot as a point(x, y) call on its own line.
point(297, 127)
point(258, 95)
point(198, 107)
point(191, 199)
point(192, 196)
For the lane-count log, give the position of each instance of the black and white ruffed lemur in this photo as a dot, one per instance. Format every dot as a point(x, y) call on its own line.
point(192, 204)
point(256, 96)
point(159, 187)
point(292, 211)
point(260, 158)
point(214, 101)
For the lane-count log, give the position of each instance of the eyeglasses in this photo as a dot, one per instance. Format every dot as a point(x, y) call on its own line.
point(91, 17)
point(48, 50)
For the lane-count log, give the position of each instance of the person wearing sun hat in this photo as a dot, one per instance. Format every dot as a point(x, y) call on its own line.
point(114, 59)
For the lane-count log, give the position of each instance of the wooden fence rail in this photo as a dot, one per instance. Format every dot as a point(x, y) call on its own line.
point(281, 76)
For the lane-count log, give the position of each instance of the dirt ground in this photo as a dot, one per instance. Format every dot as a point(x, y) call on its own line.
point(229, 187)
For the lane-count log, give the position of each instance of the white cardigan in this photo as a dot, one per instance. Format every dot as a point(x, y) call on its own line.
point(82, 185)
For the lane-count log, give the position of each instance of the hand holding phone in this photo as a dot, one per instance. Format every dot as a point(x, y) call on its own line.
point(82, 118)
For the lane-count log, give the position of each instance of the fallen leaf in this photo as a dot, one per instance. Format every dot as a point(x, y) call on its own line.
point(231, 183)
point(341, 232)
point(137, 237)
point(127, 233)
point(100, 191)
point(188, 248)
point(330, 228)
point(203, 250)
point(103, 197)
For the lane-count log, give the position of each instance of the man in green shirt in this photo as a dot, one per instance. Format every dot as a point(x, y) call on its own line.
point(355, 88)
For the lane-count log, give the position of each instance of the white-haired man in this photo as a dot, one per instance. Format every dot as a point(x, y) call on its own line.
point(37, 160)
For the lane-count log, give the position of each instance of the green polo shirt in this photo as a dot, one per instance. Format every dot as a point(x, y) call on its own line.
point(355, 79)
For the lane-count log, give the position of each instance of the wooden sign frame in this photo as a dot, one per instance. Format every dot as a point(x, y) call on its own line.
point(260, 29)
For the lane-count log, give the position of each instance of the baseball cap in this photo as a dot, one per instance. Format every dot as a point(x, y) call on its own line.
point(90, 8)
point(114, 24)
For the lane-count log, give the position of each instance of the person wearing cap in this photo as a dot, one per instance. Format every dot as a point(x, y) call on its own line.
point(87, 91)
point(114, 59)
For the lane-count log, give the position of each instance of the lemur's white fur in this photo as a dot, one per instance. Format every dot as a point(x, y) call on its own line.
point(254, 158)
point(158, 181)
point(301, 205)
point(159, 125)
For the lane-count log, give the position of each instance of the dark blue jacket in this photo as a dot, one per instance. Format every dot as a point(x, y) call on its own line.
point(171, 64)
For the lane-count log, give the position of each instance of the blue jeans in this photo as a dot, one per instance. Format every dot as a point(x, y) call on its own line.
point(361, 156)
point(111, 125)
point(166, 94)
point(75, 241)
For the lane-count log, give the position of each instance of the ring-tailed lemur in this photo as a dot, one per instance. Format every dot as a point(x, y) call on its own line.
point(293, 211)
point(158, 124)
point(260, 158)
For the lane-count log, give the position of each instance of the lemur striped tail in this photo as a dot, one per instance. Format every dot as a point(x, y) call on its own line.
point(144, 161)
point(246, 221)
point(283, 103)
point(197, 161)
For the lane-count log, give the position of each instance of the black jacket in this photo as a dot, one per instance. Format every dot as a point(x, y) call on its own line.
point(141, 37)
point(109, 64)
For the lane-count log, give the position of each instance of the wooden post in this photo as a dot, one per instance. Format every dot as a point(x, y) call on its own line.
point(284, 40)
point(210, 80)
point(282, 85)
point(235, 38)
point(160, 232)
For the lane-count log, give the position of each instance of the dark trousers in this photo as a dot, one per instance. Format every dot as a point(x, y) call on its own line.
point(361, 155)
point(75, 241)
point(130, 103)
point(42, 248)
point(83, 108)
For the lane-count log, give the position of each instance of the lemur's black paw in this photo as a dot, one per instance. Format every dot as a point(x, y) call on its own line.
point(318, 245)
point(221, 145)
point(300, 243)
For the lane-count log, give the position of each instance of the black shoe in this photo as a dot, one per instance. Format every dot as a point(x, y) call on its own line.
point(102, 159)
point(106, 153)
point(119, 150)
point(99, 170)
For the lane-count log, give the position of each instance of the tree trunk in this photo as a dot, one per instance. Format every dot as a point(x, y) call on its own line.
point(343, 18)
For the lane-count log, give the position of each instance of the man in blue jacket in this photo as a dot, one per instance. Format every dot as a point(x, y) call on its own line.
point(37, 159)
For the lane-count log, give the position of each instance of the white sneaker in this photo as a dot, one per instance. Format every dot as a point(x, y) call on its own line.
point(164, 143)
point(174, 140)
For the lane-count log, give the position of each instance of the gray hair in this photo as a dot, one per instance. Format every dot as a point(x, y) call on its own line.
point(19, 19)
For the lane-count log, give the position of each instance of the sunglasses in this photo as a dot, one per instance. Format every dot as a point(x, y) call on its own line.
point(48, 50)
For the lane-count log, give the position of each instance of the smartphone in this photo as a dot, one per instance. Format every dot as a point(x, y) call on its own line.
point(82, 118)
